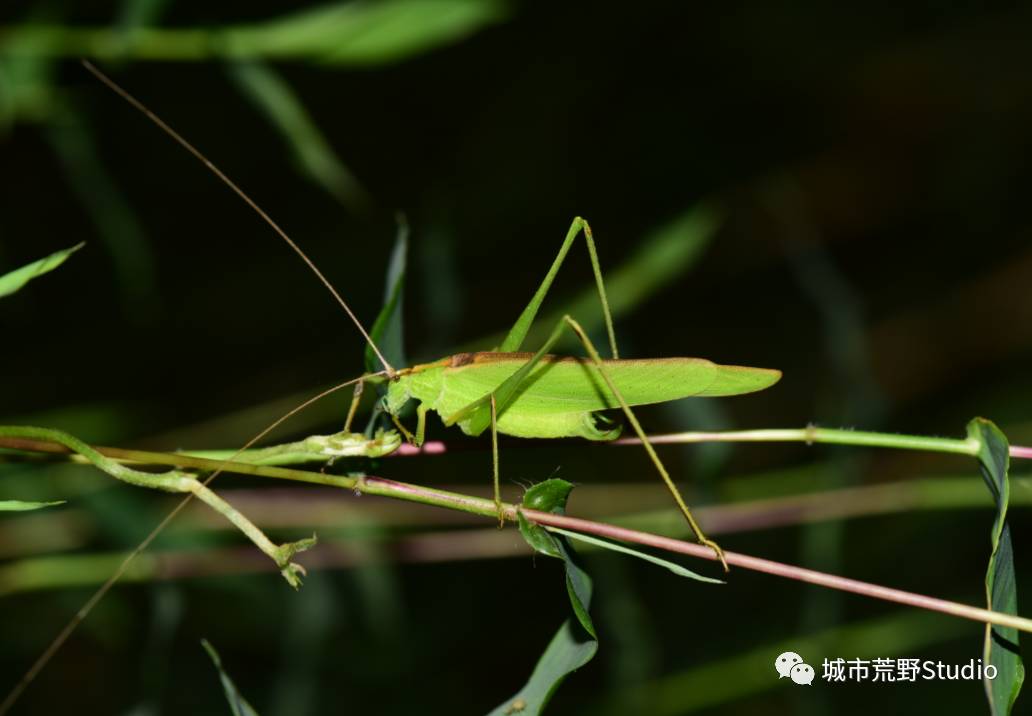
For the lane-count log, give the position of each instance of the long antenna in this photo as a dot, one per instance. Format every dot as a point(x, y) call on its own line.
point(142, 108)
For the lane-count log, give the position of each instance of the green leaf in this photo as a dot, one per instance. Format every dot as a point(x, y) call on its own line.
point(613, 546)
point(364, 33)
point(1001, 643)
point(547, 496)
point(387, 330)
point(15, 280)
point(21, 506)
point(238, 705)
point(576, 642)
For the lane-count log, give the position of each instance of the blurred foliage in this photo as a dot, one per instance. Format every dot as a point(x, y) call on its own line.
point(238, 705)
point(838, 191)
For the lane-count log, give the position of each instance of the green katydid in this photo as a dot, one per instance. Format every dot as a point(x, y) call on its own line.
point(539, 395)
point(523, 394)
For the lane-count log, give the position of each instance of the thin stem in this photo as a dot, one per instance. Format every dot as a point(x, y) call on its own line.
point(175, 481)
point(831, 436)
point(487, 508)
point(808, 435)
point(779, 569)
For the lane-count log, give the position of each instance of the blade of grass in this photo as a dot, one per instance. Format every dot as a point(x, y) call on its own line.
point(22, 506)
point(339, 33)
point(238, 705)
point(15, 280)
point(613, 547)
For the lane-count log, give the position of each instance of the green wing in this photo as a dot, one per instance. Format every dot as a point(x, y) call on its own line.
point(573, 385)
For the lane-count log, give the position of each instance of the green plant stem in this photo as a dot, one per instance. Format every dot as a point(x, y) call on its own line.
point(172, 481)
point(487, 508)
point(831, 436)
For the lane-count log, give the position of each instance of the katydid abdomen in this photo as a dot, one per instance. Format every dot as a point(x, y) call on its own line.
point(561, 395)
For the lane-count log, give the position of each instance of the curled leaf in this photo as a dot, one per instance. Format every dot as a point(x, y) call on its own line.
point(1001, 643)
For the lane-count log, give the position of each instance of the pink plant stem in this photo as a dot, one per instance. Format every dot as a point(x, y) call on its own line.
point(782, 570)
point(1022, 452)
point(486, 508)
point(807, 435)
point(431, 447)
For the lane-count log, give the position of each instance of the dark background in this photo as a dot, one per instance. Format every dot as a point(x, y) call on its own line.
point(870, 166)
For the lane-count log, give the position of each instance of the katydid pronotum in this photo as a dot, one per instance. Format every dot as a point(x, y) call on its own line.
point(522, 394)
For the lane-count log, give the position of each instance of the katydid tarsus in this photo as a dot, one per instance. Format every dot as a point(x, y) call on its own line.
point(509, 392)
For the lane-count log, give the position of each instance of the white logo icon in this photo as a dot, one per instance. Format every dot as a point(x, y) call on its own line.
point(785, 663)
point(802, 674)
point(791, 665)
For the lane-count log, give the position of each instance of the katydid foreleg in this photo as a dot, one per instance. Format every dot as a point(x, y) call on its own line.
point(356, 398)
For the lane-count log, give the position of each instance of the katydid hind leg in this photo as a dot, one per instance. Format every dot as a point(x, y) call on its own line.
point(483, 413)
point(487, 408)
point(519, 330)
point(569, 322)
point(479, 411)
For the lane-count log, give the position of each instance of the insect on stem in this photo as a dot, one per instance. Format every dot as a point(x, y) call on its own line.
point(142, 108)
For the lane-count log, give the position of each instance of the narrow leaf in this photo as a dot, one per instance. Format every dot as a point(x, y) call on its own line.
point(387, 330)
point(1001, 643)
point(576, 642)
point(15, 280)
point(606, 544)
point(365, 33)
point(238, 705)
point(22, 506)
